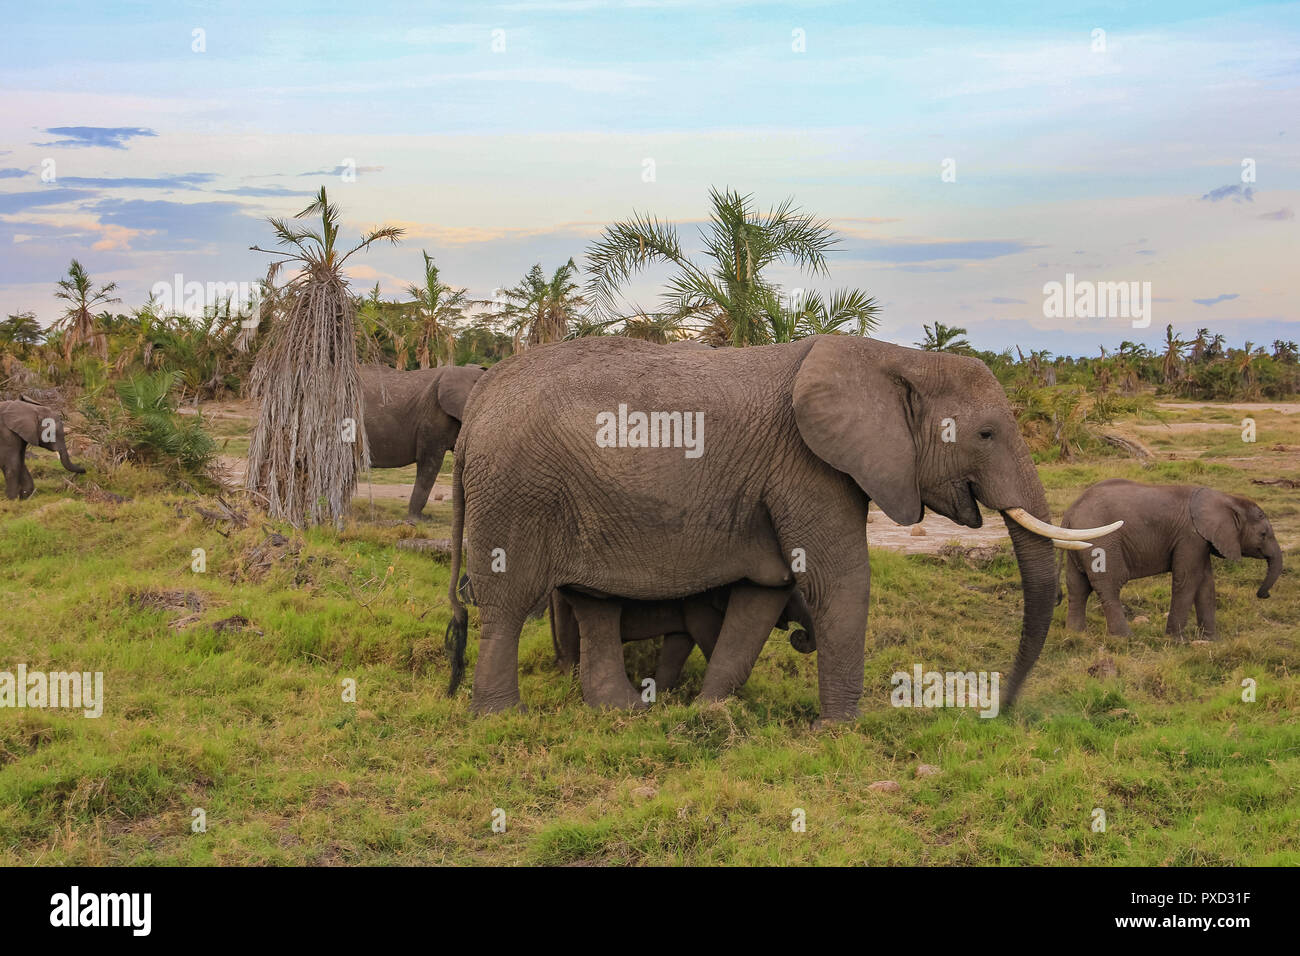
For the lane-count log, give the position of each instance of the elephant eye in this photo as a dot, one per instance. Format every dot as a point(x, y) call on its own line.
point(986, 433)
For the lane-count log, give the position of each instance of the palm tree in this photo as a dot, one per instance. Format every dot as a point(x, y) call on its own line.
point(438, 308)
point(78, 321)
point(1245, 367)
point(1285, 351)
point(943, 338)
point(310, 439)
point(1173, 355)
point(816, 314)
point(729, 296)
point(659, 327)
point(541, 310)
point(1199, 345)
point(20, 332)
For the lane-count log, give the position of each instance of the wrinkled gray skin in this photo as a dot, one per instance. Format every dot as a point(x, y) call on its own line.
point(415, 417)
point(696, 620)
point(24, 423)
point(1166, 528)
point(798, 438)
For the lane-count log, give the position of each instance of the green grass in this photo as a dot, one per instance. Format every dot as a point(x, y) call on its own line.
point(252, 728)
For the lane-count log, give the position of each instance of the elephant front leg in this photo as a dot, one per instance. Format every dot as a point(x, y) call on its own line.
point(1185, 586)
point(600, 658)
point(426, 474)
point(564, 634)
point(1205, 605)
point(840, 616)
point(13, 480)
point(672, 658)
point(752, 612)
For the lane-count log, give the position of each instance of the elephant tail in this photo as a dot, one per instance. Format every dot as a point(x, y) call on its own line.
point(457, 635)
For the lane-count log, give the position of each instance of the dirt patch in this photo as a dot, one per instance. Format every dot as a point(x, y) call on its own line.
point(1286, 408)
point(232, 470)
point(939, 533)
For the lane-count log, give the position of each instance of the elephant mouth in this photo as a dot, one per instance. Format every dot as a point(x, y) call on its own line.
point(960, 503)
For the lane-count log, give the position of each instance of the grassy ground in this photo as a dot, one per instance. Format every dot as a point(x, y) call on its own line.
point(250, 725)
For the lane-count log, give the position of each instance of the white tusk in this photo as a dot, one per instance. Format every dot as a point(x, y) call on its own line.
point(1023, 518)
point(1072, 545)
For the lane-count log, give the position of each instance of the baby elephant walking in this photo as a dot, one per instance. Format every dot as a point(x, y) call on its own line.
point(1166, 528)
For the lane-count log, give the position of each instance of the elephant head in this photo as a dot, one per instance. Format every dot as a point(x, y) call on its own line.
point(1236, 527)
point(454, 385)
point(920, 430)
point(39, 425)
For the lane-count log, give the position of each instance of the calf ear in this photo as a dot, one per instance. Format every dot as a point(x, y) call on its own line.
point(1217, 519)
point(855, 413)
point(23, 419)
point(454, 386)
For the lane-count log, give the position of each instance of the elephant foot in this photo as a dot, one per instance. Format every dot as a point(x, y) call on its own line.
point(566, 665)
point(614, 698)
point(417, 518)
point(484, 708)
point(830, 721)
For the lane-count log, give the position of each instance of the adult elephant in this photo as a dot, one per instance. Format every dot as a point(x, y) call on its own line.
point(22, 423)
point(415, 417)
point(755, 464)
point(1167, 528)
point(577, 619)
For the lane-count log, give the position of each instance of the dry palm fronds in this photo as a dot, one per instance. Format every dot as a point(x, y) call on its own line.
point(310, 441)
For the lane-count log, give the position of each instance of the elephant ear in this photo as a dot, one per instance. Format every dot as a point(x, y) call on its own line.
point(454, 386)
point(856, 414)
point(1217, 519)
point(23, 419)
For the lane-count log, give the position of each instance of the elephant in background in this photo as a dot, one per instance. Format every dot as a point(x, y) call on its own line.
point(1166, 528)
point(576, 619)
point(790, 443)
point(415, 417)
point(22, 423)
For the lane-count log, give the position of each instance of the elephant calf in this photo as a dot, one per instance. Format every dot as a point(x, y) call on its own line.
point(683, 623)
point(1166, 528)
point(24, 423)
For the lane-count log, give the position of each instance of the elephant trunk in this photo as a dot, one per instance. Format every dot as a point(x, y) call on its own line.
point(1274, 556)
point(1039, 580)
point(68, 462)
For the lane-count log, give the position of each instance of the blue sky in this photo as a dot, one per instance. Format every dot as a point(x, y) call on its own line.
point(501, 135)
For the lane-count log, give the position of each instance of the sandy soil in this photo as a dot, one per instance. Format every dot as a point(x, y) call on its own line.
point(1286, 408)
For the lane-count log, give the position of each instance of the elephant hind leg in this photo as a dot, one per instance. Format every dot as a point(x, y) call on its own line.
point(1108, 594)
point(496, 673)
point(1078, 586)
point(28, 485)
